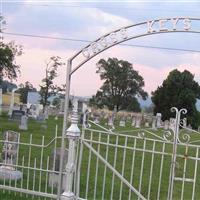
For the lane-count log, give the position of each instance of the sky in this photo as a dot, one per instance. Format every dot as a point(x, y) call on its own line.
point(86, 21)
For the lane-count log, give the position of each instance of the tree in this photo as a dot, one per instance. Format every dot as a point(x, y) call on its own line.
point(178, 90)
point(8, 52)
point(24, 89)
point(120, 87)
point(48, 88)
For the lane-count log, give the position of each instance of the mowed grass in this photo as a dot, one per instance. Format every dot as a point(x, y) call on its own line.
point(148, 171)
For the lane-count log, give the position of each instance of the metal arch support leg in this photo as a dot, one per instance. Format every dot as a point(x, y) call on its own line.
point(67, 94)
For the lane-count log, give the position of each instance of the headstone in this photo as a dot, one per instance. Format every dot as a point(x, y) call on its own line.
point(138, 122)
point(184, 122)
point(23, 124)
point(55, 167)
point(172, 123)
point(198, 128)
point(133, 122)
point(166, 124)
point(189, 128)
point(158, 118)
point(9, 156)
point(154, 123)
point(146, 124)
point(114, 113)
point(110, 122)
point(122, 122)
point(17, 114)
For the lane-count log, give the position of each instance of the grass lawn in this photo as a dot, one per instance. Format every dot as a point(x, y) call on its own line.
point(148, 170)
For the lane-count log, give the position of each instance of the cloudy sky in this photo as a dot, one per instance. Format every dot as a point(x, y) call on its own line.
point(76, 21)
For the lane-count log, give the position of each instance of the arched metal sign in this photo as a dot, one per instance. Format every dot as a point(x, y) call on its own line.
point(151, 27)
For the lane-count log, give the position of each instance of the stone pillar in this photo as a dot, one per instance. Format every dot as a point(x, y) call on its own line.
point(73, 134)
point(12, 102)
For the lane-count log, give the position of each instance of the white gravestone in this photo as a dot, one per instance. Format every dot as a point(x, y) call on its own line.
point(172, 123)
point(166, 124)
point(158, 117)
point(138, 122)
point(23, 123)
point(133, 122)
point(9, 156)
point(154, 123)
point(110, 121)
point(146, 124)
point(184, 122)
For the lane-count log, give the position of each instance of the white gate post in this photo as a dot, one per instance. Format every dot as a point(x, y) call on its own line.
point(73, 134)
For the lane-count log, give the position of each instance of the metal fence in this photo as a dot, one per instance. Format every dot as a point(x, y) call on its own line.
point(103, 164)
point(139, 164)
point(29, 167)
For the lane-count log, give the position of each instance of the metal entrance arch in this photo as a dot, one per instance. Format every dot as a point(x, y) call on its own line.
point(151, 27)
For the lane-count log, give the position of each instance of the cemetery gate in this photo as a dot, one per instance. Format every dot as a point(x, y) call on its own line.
point(101, 163)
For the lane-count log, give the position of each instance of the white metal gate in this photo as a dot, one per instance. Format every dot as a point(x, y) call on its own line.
point(139, 164)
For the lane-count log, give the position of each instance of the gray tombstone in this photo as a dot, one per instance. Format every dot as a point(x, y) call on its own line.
point(110, 122)
point(154, 123)
point(166, 124)
point(17, 114)
point(146, 124)
point(23, 124)
point(189, 128)
point(172, 123)
point(9, 156)
point(158, 122)
point(138, 121)
point(184, 122)
point(55, 167)
point(133, 122)
point(122, 122)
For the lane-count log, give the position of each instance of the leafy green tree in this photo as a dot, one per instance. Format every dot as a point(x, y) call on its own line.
point(122, 84)
point(178, 90)
point(8, 67)
point(24, 89)
point(48, 88)
point(8, 53)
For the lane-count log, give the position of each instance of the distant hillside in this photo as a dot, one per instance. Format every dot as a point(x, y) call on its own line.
point(148, 102)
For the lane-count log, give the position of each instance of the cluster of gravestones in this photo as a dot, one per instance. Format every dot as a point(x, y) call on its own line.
point(137, 120)
point(22, 113)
